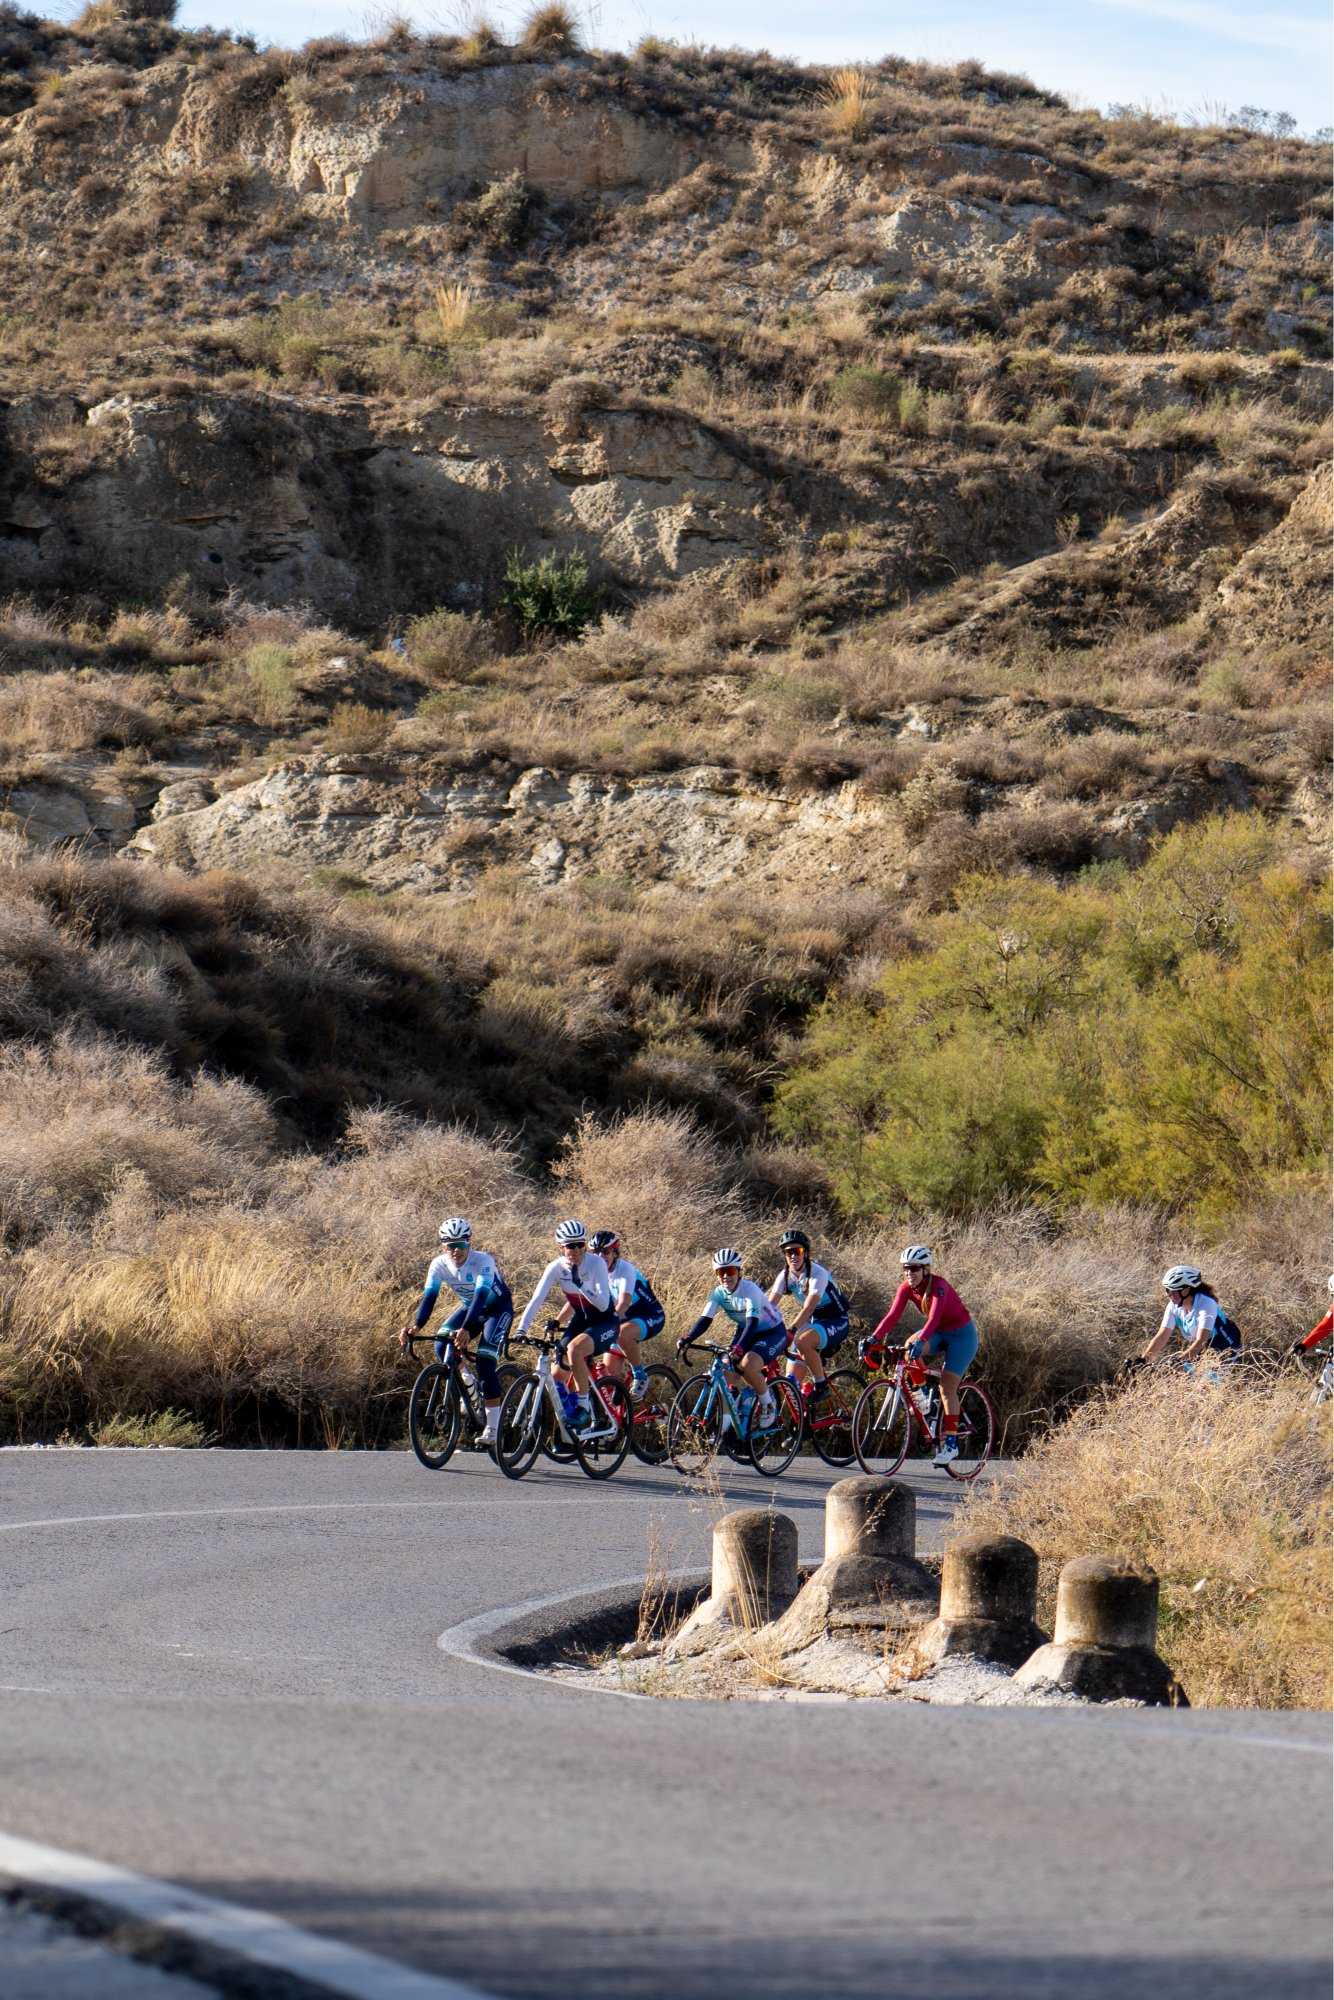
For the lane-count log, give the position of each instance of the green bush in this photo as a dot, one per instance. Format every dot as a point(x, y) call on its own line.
point(449, 645)
point(1161, 1036)
point(552, 597)
point(865, 392)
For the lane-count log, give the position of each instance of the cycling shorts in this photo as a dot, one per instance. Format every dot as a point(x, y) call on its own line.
point(831, 1333)
point(650, 1319)
point(955, 1349)
point(602, 1327)
point(766, 1341)
point(492, 1331)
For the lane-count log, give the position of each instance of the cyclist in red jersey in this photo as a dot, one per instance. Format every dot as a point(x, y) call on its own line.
point(1320, 1331)
point(949, 1332)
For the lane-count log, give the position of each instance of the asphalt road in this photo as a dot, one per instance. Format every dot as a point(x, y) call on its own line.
point(221, 1668)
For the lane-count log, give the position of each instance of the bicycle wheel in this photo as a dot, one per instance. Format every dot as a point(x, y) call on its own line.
point(600, 1457)
point(882, 1430)
point(433, 1415)
point(829, 1422)
point(773, 1448)
point(695, 1426)
point(523, 1420)
point(977, 1432)
point(648, 1417)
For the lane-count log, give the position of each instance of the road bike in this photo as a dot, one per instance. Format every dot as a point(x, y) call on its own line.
point(445, 1407)
point(1318, 1363)
point(829, 1418)
point(706, 1410)
point(532, 1420)
point(648, 1412)
point(898, 1416)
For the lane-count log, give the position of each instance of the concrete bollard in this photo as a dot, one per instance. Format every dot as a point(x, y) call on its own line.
point(869, 1517)
point(755, 1563)
point(988, 1603)
point(870, 1580)
point(752, 1581)
point(1106, 1634)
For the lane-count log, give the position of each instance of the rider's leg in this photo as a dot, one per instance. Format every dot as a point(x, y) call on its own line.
point(949, 1396)
point(809, 1347)
point(494, 1332)
point(577, 1352)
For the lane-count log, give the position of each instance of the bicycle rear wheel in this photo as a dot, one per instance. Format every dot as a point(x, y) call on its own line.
point(521, 1426)
point(882, 1430)
point(600, 1457)
point(648, 1417)
point(695, 1426)
point(773, 1448)
point(829, 1422)
point(433, 1415)
point(977, 1432)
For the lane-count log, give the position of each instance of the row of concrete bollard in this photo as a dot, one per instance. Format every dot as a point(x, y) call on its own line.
point(1106, 1632)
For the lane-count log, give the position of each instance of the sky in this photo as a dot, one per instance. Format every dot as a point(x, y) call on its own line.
point(1188, 58)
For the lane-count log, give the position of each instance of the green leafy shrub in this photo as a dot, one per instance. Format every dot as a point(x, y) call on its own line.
point(271, 672)
point(551, 597)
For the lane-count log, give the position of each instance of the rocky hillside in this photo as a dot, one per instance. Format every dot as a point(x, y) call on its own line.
point(935, 474)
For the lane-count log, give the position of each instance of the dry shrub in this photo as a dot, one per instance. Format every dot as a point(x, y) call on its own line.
point(653, 1176)
point(1223, 1489)
point(61, 711)
point(551, 29)
point(848, 101)
point(453, 309)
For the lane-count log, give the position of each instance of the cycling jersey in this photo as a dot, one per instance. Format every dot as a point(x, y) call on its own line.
point(1320, 1332)
point(632, 1296)
point(1202, 1316)
point(476, 1283)
point(588, 1290)
point(746, 1307)
point(832, 1309)
point(945, 1310)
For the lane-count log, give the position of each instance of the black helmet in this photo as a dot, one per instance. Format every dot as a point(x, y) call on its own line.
point(795, 1239)
point(604, 1240)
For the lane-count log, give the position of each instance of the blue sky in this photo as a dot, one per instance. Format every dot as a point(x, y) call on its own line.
point(1185, 56)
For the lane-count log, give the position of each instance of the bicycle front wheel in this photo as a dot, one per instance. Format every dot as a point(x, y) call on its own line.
point(433, 1415)
point(695, 1426)
point(773, 1448)
point(881, 1429)
point(599, 1457)
point(648, 1417)
point(520, 1427)
point(977, 1432)
point(829, 1422)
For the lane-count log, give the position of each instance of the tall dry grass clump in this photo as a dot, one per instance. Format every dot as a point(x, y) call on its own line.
point(848, 102)
point(1223, 1489)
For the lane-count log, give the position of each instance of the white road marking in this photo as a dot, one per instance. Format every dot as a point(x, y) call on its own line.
point(297, 1507)
point(457, 1640)
point(249, 1934)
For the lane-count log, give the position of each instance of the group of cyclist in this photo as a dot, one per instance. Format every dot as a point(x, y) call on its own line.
point(609, 1307)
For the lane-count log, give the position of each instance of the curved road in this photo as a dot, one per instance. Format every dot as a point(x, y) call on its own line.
point(221, 1668)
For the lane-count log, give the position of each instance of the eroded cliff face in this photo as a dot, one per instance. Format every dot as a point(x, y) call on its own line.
point(289, 502)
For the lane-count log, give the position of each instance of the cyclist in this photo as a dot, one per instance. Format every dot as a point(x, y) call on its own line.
point(821, 1324)
point(949, 1332)
point(761, 1334)
point(1193, 1313)
point(639, 1312)
point(586, 1315)
point(485, 1307)
point(1320, 1331)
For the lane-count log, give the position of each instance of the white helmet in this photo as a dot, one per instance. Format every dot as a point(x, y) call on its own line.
point(915, 1254)
point(727, 1259)
point(1182, 1278)
point(456, 1230)
point(568, 1234)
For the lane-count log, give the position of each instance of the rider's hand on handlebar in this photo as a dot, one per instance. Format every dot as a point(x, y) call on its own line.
point(405, 1334)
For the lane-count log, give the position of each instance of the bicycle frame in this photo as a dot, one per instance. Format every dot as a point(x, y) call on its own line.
point(451, 1357)
point(719, 1386)
point(547, 1387)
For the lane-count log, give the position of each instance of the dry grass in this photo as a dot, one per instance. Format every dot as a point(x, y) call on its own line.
point(848, 102)
point(1224, 1491)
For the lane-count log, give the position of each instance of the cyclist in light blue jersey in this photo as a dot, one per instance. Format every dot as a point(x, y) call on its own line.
point(822, 1322)
point(760, 1333)
point(485, 1309)
point(639, 1312)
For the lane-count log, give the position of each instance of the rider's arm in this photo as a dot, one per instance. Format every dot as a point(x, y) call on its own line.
point(434, 1281)
point(895, 1313)
point(777, 1288)
point(1321, 1332)
point(530, 1311)
point(703, 1323)
point(1202, 1320)
point(1161, 1338)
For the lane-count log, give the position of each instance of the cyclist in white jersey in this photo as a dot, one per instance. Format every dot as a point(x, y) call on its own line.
point(586, 1312)
point(485, 1309)
point(760, 1333)
point(822, 1321)
point(639, 1312)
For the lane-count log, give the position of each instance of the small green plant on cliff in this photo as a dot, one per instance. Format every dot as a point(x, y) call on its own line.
point(550, 598)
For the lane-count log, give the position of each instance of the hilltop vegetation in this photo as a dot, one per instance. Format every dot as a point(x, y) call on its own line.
point(796, 620)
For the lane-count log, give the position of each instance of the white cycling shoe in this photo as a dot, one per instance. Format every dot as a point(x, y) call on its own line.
point(947, 1450)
